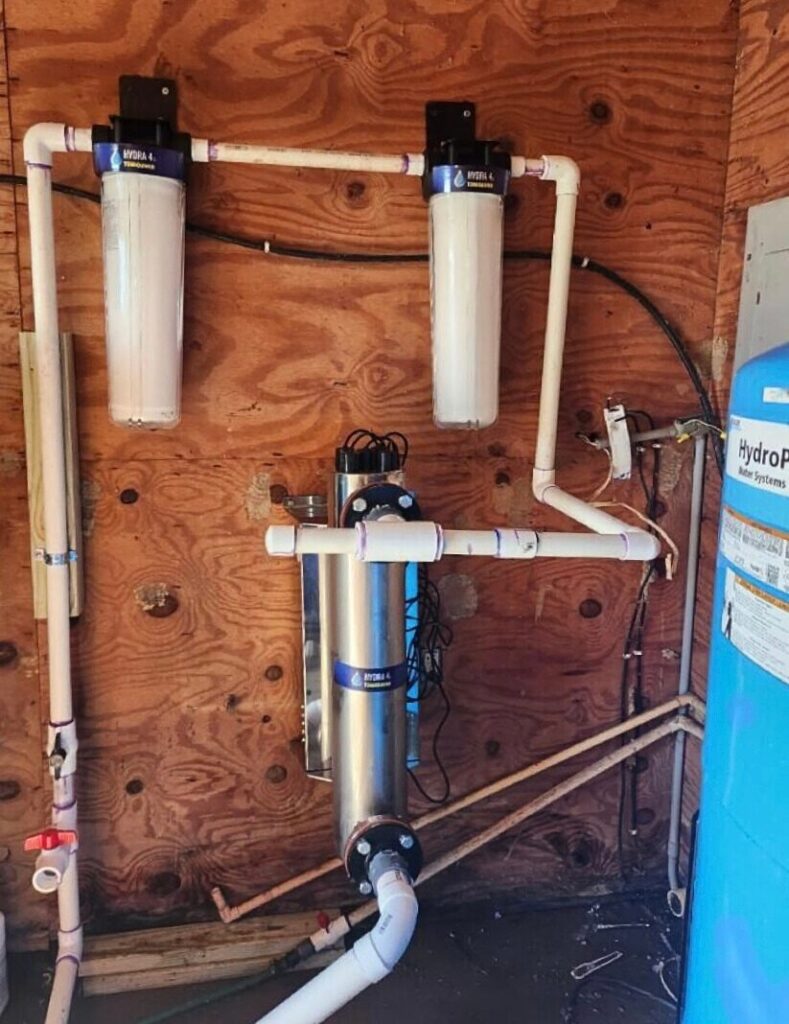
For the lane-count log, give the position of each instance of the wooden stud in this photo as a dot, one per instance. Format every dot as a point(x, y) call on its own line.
point(34, 481)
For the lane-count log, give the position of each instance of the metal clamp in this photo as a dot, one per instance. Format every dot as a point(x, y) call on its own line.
point(60, 558)
point(62, 746)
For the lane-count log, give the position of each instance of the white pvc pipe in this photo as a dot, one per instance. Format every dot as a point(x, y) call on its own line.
point(371, 958)
point(427, 542)
point(677, 893)
point(566, 175)
point(41, 141)
point(207, 151)
point(62, 992)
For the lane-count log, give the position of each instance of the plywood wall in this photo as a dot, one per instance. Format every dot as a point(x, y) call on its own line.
point(187, 665)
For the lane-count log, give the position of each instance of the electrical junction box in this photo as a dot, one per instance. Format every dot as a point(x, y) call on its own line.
point(764, 297)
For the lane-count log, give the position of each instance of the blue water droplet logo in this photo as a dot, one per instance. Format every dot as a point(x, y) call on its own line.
point(116, 160)
point(459, 180)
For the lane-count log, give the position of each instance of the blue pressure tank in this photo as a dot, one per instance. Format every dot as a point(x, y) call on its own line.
point(738, 956)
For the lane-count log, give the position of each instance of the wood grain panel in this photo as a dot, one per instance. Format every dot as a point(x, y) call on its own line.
point(23, 800)
point(187, 655)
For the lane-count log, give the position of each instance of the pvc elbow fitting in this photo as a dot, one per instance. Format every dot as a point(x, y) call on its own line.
point(541, 480)
point(565, 172)
point(41, 141)
point(379, 952)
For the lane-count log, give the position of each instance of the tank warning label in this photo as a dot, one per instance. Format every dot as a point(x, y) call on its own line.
point(757, 624)
point(779, 396)
point(351, 677)
point(757, 453)
point(761, 551)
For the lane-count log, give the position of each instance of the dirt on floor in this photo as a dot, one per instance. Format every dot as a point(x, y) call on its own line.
point(493, 963)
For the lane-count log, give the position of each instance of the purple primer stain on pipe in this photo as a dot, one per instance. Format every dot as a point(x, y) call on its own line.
point(213, 151)
point(70, 138)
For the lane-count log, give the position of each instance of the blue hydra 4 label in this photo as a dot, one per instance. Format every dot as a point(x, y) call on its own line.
point(354, 677)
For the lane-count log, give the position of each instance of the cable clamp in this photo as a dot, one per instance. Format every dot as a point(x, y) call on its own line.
point(59, 558)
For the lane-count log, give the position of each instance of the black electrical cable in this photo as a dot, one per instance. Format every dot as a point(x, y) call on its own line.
point(426, 649)
point(447, 790)
point(368, 440)
point(578, 262)
point(630, 650)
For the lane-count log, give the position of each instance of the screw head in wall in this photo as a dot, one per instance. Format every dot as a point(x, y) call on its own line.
point(359, 505)
point(365, 888)
point(406, 840)
point(363, 847)
point(405, 501)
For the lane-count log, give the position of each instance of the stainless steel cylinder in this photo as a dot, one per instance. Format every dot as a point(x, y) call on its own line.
point(369, 700)
point(345, 484)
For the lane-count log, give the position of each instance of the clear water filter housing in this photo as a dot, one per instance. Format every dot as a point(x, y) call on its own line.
point(143, 161)
point(465, 184)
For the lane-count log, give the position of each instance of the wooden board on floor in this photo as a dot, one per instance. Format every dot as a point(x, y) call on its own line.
point(196, 953)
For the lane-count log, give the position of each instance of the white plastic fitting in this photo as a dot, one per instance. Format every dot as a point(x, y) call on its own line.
point(372, 957)
point(50, 868)
point(48, 137)
point(522, 166)
point(564, 172)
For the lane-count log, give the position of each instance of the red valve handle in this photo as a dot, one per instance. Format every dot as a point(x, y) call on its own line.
point(50, 839)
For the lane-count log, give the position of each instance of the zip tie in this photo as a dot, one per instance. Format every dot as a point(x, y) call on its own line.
point(59, 558)
point(267, 247)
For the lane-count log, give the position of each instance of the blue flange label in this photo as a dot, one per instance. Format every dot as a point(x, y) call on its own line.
point(111, 157)
point(352, 677)
point(459, 178)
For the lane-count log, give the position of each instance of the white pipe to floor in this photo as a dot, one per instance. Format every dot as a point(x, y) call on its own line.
point(41, 141)
point(677, 893)
point(566, 175)
point(370, 959)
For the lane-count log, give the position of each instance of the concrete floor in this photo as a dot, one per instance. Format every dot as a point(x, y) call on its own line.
point(497, 965)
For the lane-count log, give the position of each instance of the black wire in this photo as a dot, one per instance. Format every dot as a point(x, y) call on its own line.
point(429, 642)
point(579, 263)
point(447, 791)
point(630, 644)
